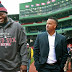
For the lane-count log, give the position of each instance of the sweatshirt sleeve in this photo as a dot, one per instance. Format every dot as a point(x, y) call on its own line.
point(23, 46)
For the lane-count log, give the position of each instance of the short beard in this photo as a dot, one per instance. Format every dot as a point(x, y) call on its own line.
point(5, 21)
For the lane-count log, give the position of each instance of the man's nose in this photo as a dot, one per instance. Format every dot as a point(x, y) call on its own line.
point(47, 25)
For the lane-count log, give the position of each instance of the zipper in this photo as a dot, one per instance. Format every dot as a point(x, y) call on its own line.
point(3, 32)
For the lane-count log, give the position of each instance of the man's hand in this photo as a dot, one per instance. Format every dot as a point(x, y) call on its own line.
point(23, 67)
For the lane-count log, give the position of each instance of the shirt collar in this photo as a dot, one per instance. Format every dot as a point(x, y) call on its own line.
point(53, 34)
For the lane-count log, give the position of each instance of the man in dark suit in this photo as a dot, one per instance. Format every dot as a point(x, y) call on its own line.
point(50, 49)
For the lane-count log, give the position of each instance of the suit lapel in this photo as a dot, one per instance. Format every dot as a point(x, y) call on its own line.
point(46, 42)
point(56, 39)
point(46, 39)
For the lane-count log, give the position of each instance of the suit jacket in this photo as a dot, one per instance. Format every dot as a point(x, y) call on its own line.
point(41, 49)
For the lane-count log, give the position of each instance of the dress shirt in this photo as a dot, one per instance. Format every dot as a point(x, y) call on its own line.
point(51, 56)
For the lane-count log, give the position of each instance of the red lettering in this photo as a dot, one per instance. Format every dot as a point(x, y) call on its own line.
point(10, 40)
point(7, 40)
point(2, 40)
point(13, 39)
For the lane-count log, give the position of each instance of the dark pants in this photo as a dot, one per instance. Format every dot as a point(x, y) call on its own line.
point(50, 68)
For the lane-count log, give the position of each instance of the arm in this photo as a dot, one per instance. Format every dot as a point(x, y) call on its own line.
point(64, 53)
point(36, 53)
point(23, 48)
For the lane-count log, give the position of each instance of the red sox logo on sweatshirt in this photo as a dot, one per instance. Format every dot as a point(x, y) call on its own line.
point(6, 40)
